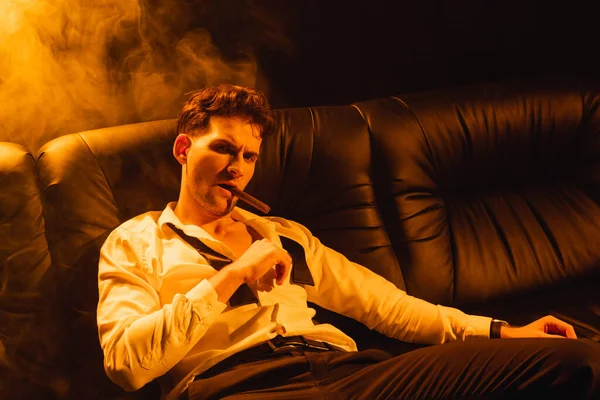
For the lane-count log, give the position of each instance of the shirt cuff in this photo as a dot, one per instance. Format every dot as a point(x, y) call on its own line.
point(205, 300)
point(478, 327)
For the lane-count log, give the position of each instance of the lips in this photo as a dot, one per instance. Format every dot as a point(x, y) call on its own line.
point(226, 187)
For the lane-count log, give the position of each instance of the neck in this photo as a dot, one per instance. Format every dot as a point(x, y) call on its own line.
point(191, 214)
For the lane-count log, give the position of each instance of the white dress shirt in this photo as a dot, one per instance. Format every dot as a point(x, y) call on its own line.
point(159, 316)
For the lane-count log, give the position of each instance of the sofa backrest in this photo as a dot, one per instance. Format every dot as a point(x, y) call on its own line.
point(310, 172)
point(318, 171)
point(91, 183)
point(489, 190)
point(455, 195)
point(24, 269)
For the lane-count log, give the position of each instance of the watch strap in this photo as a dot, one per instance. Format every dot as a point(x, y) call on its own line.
point(495, 327)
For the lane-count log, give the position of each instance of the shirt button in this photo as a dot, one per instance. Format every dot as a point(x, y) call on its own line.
point(208, 307)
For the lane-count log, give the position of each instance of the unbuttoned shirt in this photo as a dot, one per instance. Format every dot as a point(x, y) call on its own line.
point(160, 318)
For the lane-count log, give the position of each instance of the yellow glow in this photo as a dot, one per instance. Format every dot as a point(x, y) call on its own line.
point(11, 11)
point(71, 65)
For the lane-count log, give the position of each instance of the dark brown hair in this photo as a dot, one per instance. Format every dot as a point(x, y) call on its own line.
point(225, 100)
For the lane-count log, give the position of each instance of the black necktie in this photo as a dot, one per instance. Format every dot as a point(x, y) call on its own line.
point(300, 273)
point(243, 295)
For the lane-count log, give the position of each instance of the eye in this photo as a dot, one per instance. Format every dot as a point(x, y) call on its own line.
point(251, 157)
point(221, 148)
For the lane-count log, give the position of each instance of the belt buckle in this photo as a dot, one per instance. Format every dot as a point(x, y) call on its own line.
point(280, 343)
point(277, 344)
point(316, 345)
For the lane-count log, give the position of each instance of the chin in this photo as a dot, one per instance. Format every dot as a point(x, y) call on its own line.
point(220, 210)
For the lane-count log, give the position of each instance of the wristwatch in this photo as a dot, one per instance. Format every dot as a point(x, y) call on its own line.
point(495, 328)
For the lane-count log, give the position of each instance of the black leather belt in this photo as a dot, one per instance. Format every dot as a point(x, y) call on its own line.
point(279, 345)
point(291, 343)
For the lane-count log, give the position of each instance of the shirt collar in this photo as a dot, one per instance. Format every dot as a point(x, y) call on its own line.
point(262, 225)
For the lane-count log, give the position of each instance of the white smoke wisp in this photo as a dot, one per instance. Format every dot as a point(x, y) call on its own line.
point(72, 65)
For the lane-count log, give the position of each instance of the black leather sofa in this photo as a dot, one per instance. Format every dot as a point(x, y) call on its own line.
point(483, 197)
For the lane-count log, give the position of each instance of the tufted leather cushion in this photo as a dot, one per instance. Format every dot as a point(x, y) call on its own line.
point(25, 332)
point(317, 171)
point(92, 182)
point(491, 192)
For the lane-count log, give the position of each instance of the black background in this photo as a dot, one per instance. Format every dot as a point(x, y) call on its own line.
point(336, 52)
point(306, 52)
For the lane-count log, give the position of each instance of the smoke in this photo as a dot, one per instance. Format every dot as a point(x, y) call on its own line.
point(72, 65)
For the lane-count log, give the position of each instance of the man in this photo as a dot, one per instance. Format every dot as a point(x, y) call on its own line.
point(211, 300)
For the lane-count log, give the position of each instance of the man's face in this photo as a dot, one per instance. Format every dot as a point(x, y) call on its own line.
point(225, 154)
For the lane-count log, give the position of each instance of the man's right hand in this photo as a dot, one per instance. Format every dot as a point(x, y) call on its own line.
point(260, 257)
point(257, 260)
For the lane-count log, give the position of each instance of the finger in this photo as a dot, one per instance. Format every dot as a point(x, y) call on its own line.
point(286, 269)
point(570, 331)
point(283, 268)
point(282, 273)
point(556, 325)
point(551, 336)
point(564, 329)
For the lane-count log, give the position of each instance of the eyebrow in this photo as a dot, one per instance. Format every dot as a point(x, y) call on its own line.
point(233, 145)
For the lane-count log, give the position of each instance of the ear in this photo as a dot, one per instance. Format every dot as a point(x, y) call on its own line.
point(180, 148)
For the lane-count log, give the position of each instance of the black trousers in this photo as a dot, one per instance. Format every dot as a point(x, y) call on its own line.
point(491, 369)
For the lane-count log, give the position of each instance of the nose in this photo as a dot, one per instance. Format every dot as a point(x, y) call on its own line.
point(234, 168)
point(234, 171)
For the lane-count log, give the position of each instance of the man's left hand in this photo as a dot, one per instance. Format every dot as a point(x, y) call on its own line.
point(546, 327)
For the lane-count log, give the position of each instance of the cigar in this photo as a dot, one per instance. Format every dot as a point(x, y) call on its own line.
point(246, 198)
